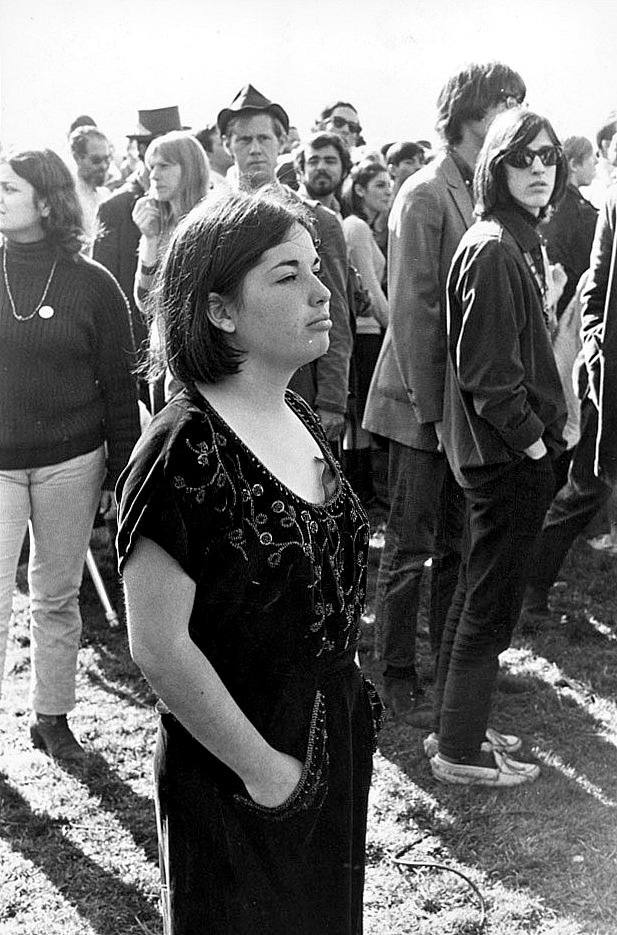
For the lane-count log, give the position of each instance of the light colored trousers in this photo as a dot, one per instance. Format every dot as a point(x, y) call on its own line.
point(59, 504)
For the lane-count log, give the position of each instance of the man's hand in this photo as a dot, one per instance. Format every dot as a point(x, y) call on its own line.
point(333, 424)
point(107, 506)
point(536, 451)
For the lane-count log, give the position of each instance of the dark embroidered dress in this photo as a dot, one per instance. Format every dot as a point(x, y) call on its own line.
point(280, 585)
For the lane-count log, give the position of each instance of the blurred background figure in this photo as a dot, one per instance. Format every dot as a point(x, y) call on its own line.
point(403, 160)
point(341, 118)
point(91, 151)
point(366, 202)
point(606, 169)
point(219, 158)
point(570, 229)
point(68, 421)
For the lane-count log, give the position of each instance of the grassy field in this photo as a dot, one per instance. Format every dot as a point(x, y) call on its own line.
point(78, 846)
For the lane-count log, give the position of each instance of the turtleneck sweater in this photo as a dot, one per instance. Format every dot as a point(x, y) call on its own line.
point(65, 379)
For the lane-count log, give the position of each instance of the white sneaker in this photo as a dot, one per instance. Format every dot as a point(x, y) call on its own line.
point(507, 772)
point(505, 743)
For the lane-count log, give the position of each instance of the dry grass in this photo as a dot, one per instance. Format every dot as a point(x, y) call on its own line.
point(78, 846)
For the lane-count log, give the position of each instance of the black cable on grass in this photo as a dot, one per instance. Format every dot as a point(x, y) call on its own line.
point(416, 864)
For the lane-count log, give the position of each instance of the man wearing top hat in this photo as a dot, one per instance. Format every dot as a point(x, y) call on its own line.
point(254, 130)
point(118, 236)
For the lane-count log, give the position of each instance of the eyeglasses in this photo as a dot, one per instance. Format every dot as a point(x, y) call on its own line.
point(340, 122)
point(509, 98)
point(524, 158)
point(99, 160)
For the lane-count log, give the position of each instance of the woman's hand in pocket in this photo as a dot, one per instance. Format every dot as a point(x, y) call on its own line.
point(279, 780)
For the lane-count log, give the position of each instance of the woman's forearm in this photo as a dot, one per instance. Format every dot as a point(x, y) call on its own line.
point(159, 602)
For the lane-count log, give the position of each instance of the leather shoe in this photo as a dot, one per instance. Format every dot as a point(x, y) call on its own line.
point(495, 740)
point(506, 772)
point(403, 704)
point(52, 734)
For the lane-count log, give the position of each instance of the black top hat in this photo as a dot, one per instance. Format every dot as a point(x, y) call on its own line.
point(156, 122)
point(249, 99)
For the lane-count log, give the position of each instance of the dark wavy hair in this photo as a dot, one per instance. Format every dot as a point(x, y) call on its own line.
point(361, 174)
point(211, 251)
point(53, 184)
point(468, 94)
point(514, 129)
point(318, 141)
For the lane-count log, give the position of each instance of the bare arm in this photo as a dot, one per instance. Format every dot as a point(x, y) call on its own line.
point(159, 597)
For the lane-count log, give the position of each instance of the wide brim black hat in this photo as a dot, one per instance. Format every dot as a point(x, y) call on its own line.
point(250, 99)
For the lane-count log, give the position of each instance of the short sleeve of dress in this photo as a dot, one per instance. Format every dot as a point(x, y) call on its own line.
point(152, 498)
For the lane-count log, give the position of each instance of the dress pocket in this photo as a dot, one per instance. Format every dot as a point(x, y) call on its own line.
point(377, 709)
point(310, 793)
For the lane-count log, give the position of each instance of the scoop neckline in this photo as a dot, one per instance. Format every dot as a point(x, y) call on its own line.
point(195, 396)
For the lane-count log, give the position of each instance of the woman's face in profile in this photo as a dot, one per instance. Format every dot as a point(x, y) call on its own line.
point(165, 178)
point(282, 319)
point(531, 186)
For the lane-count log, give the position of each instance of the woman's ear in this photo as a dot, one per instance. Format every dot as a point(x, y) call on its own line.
point(44, 208)
point(220, 314)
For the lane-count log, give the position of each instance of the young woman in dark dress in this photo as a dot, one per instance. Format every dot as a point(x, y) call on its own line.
point(243, 551)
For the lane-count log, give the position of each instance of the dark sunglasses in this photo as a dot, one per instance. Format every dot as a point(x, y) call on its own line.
point(340, 122)
point(524, 158)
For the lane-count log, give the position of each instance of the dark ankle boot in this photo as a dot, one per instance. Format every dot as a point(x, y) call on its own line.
point(52, 734)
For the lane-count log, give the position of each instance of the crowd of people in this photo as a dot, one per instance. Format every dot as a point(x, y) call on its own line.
point(224, 330)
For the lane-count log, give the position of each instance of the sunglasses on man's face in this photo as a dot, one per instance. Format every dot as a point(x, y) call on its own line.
point(340, 122)
point(524, 158)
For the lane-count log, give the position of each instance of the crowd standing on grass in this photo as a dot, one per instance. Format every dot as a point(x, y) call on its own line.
point(262, 318)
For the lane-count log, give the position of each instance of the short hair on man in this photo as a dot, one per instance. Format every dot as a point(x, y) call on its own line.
point(78, 139)
point(207, 136)
point(319, 141)
point(577, 149)
point(277, 127)
point(607, 131)
point(329, 109)
point(398, 152)
point(468, 94)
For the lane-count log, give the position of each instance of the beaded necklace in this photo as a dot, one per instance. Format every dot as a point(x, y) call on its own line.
point(45, 311)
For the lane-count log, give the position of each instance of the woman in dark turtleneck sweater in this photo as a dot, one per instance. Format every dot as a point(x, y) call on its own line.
point(68, 419)
point(503, 417)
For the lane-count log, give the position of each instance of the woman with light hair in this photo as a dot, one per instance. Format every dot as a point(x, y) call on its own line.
point(179, 179)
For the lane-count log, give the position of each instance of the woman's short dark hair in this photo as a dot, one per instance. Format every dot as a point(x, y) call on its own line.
point(514, 129)
point(211, 251)
point(469, 94)
point(53, 184)
point(361, 174)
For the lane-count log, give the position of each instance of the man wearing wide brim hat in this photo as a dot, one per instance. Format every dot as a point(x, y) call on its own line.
point(254, 129)
point(249, 100)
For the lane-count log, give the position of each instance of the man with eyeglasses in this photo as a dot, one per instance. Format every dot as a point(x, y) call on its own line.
point(92, 154)
point(430, 214)
point(341, 118)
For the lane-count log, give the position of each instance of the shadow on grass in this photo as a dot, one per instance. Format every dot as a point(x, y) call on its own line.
point(556, 837)
point(108, 903)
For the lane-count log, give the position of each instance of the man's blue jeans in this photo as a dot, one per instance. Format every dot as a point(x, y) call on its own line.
point(573, 507)
point(425, 521)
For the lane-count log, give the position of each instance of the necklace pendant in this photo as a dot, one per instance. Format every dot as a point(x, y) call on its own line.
point(46, 311)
